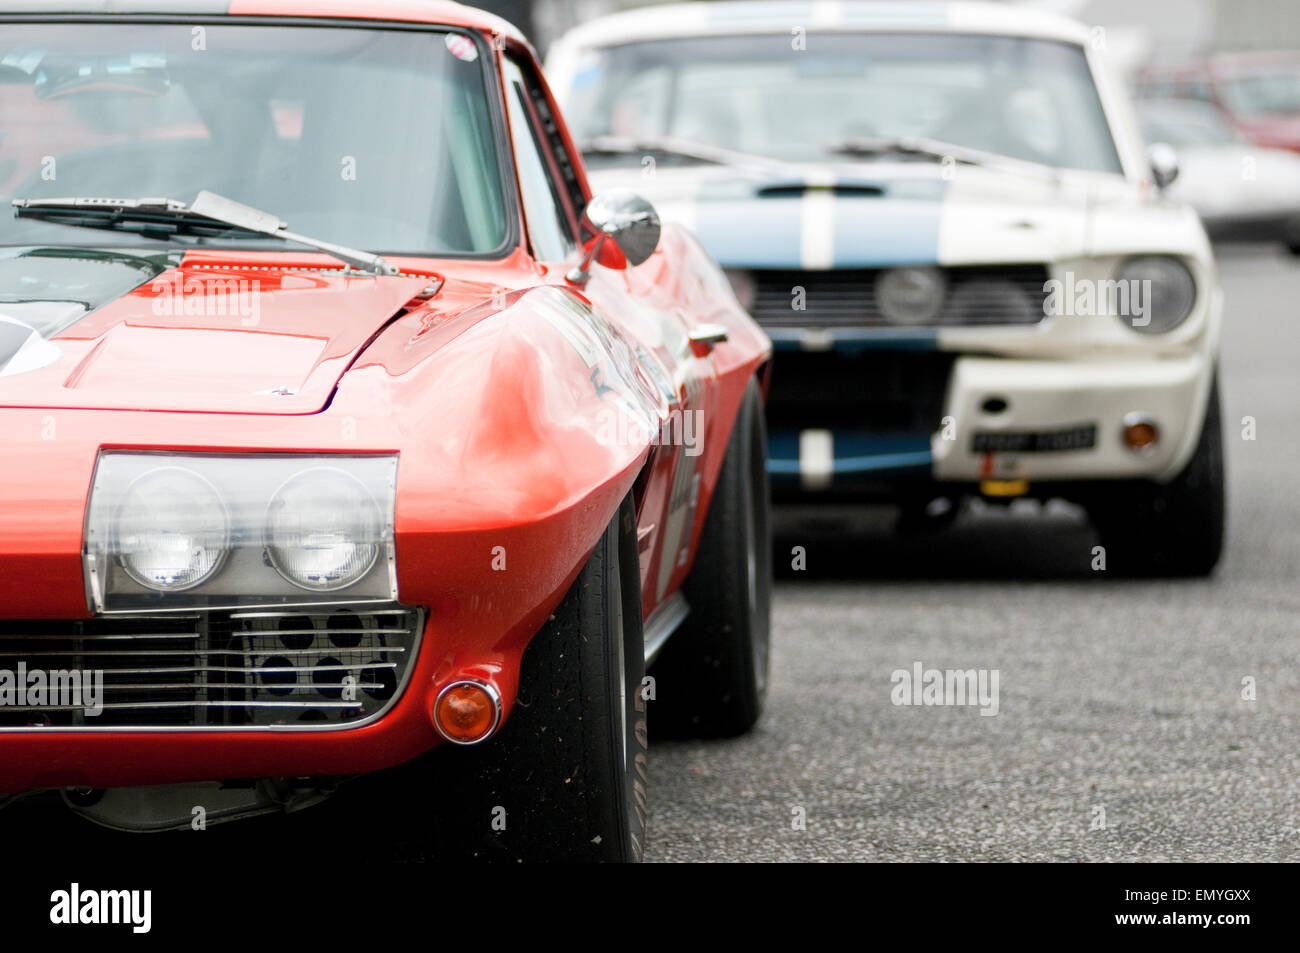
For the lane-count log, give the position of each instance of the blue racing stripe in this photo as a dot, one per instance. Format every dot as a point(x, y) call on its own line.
point(856, 454)
point(903, 15)
point(754, 234)
point(877, 233)
point(783, 15)
point(853, 340)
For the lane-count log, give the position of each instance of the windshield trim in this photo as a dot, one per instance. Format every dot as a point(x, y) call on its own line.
point(492, 89)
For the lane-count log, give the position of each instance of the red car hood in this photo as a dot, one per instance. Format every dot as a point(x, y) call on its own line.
point(205, 337)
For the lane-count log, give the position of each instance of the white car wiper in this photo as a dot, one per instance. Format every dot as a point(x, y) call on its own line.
point(208, 214)
point(682, 148)
point(873, 146)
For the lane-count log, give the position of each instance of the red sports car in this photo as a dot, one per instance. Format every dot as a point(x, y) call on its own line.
point(456, 459)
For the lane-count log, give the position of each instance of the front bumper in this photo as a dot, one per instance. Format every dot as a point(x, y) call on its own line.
point(476, 625)
point(987, 398)
point(1047, 396)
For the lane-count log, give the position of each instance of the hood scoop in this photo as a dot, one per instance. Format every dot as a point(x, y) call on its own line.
point(232, 337)
point(841, 188)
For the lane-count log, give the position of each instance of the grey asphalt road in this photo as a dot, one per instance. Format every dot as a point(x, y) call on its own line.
point(1120, 701)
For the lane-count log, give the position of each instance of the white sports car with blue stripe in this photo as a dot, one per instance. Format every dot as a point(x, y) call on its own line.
point(944, 216)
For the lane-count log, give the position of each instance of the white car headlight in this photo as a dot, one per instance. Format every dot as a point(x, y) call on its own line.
point(1161, 293)
point(197, 530)
point(323, 530)
point(172, 530)
point(911, 296)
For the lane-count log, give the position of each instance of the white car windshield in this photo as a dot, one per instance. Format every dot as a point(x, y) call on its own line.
point(1024, 98)
point(318, 126)
point(1264, 94)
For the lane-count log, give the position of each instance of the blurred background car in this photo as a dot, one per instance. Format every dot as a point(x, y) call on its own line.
point(902, 194)
point(1258, 93)
point(1241, 191)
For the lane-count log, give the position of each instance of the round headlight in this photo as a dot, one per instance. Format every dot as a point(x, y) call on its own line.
point(172, 530)
point(991, 301)
point(323, 530)
point(1160, 293)
point(910, 296)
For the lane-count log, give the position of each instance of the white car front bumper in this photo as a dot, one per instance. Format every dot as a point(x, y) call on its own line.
point(1043, 397)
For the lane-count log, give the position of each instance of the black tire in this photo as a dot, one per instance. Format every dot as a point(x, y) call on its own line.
point(917, 517)
point(711, 677)
point(568, 770)
point(1291, 238)
point(1174, 529)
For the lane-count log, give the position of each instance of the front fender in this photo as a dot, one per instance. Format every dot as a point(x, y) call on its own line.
point(523, 423)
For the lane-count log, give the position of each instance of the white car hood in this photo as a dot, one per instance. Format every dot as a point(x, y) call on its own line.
point(877, 214)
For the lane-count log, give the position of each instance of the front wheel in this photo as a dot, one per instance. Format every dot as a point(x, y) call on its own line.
point(1292, 238)
point(711, 678)
point(1175, 529)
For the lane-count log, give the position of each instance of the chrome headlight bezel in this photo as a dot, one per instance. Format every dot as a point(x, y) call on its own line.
point(245, 575)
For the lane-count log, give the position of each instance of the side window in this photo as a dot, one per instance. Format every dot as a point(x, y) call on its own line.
point(550, 229)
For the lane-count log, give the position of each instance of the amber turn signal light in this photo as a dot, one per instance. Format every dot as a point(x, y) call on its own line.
point(1140, 433)
point(467, 712)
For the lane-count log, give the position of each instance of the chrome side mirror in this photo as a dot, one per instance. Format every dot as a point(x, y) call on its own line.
point(626, 219)
point(1164, 164)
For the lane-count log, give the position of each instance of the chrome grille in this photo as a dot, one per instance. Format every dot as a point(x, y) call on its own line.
point(219, 669)
point(975, 296)
point(881, 392)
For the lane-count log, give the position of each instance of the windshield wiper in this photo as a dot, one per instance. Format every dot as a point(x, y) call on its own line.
point(208, 215)
point(681, 148)
point(873, 146)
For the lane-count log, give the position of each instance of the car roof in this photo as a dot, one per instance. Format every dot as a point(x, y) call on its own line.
point(443, 12)
point(848, 16)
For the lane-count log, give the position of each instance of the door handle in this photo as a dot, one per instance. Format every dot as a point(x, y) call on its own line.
point(704, 337)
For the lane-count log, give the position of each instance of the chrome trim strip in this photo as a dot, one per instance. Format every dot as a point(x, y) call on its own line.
point(245, 653)
point(278, 669)
point(276, 615)
point(287, 607)
point(402, 684)
point(663, 622)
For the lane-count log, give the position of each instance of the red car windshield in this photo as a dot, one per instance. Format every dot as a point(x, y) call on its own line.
point(320, 126)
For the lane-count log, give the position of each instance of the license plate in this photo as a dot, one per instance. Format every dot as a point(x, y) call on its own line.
point(1035, 441)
